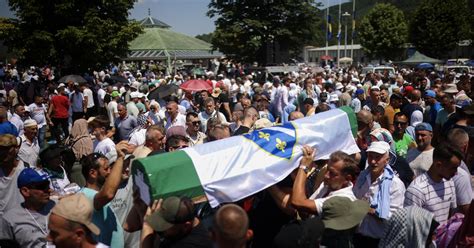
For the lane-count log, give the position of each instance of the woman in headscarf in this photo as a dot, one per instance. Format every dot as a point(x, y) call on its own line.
point(80, 139)
point(398, 164)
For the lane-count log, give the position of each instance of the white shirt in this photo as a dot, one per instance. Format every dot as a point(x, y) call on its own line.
point(372, 226)
point(419, 162)
point(18, 123)
point(319, 199)
point(204, 117)
point(137, 138)
point(104, 146)
point(38, 114)
point(180, 120)
point(90, 97)
point(100, 97)
point(29, 151)
point(112, 111)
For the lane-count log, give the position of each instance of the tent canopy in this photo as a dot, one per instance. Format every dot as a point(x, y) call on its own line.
point(418, 58)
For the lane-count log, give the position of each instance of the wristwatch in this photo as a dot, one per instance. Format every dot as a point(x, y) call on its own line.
point(304, 167)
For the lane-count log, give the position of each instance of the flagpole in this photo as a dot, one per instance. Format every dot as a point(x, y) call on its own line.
point(327, 27)
point(353, 28)
point(339, 33)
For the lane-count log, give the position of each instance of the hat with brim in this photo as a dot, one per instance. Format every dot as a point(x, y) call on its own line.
point(469, 110)
point(167, 216)
point(341, 213)
point(451, 89)
point(216, 92)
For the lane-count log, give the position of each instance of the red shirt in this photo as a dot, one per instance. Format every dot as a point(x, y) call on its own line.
point(61, 106)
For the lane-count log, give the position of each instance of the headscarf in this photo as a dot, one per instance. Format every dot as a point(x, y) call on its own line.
point(80, 139)
point(408, 227)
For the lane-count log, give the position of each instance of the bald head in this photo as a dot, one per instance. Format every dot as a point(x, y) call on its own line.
point(415, 95)
point(364, 119)
point(295, 115)
point(231, 226)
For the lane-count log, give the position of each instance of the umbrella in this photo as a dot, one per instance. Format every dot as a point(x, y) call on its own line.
point(425, 66)
point(163, 91)
point(196, 85)
point(326, 57)
point(74, 78)
point(345, 60)
point(119, 79)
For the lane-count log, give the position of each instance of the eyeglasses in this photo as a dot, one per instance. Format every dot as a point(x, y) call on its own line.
point(44, 186)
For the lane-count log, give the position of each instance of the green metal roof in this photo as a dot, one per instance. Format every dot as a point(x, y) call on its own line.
point(165, 39)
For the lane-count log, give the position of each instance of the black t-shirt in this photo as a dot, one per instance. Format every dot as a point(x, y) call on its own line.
point(199, 237)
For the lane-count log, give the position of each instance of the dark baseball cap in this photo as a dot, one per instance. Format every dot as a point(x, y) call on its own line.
point(29, 176)
point(174, 210)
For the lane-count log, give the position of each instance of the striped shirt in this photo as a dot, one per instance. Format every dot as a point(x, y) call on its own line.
point(435, 197)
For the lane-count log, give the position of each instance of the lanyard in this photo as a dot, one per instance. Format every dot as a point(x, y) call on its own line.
point(36, 222)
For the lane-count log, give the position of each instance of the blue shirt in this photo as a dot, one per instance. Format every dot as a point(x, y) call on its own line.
point(8, 128)
point(111, 232)
point(434, 112)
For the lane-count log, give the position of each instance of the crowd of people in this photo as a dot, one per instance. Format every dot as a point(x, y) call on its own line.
point(66, 152)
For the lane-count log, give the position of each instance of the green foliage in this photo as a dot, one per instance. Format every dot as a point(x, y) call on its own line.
point(244, 27)
point(205, 37)
point(383, 31)
point(76, 35)
point(438, 25)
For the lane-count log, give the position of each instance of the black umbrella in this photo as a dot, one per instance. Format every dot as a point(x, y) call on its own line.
point(163, 91)
point(74, 78)
point(119, 79)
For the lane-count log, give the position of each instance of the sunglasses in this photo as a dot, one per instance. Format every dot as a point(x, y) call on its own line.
point(44, 186)
point(180, 147)
point(195, 122)
point(396, 123)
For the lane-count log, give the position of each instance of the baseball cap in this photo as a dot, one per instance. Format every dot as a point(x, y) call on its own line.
point(30, 176)
point(359, 91)
point(407, 89)
point(77, 208)
point(115, 94)
point(423, 127)
point(430, 93)
point(7, 140)
point(468, 109)
point(339, 86)
point(134, 94)
point(380, 147)
point(174, 210)
point(341, 213)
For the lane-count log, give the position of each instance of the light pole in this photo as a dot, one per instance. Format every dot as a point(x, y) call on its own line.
point(345, 16)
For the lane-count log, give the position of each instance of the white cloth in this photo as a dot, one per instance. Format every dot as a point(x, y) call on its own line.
point(29, 151)
point(372, 226)
point(18, 123)
point(100, 97)
point(419, 161)
point(132, 109)
point(319, 200)
point(104, 146)
point(180, 120)
point(90, 97)
point(137, 138)
point(10, 196)
point(38, 113)
point(112, 111)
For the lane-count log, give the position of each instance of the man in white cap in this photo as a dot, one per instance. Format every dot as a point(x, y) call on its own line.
point(132, 105)
point(381, 187)
point(70, 223)
point(29, 149)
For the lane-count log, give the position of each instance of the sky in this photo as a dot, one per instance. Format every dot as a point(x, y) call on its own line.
point(184, 16)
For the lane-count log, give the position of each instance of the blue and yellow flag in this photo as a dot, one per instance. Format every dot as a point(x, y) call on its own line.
point(329, 34)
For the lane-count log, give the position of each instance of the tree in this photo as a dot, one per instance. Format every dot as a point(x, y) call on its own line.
point(383, 31)
point(438, 25)
point(205, 37)
point(76, 35)
point(248, 29)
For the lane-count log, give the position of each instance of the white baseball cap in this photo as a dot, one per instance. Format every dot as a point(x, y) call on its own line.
point(380, 147)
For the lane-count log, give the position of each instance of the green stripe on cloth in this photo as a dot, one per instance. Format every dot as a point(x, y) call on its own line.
point(169, 174)
point(352, 118)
